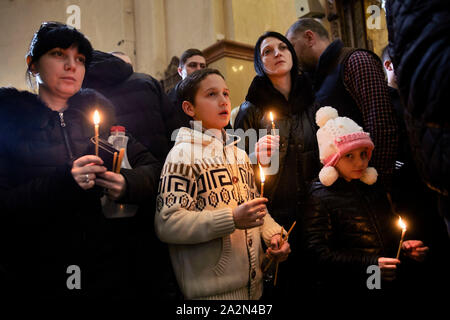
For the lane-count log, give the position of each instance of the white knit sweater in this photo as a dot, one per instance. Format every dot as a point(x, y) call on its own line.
point(198, 190)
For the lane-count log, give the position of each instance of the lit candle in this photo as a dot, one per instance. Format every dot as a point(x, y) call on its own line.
point(96, 122)
point(402, 225)
point(273, 124)
point(263, 178)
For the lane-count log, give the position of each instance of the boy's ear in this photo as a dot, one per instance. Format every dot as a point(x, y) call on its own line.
point(188, 108)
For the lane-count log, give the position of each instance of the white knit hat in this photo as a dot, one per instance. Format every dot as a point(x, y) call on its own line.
point(336, 137)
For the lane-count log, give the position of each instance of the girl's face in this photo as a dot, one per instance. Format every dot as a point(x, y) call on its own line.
point(276, 57)
point(212, 103)
point(60, 72)
point(353, 164)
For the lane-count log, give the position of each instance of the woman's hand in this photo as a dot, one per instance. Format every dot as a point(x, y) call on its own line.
point(114, 183)
point(415, 249)
point(265, 147)
point(275, 251)
point(250, 214)
point(85, 169)
point(388, 268)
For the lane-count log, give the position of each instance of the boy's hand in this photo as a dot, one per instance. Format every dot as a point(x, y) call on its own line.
point(415, 249)
point(274, 251)
point(388, 268)
point(265, 147)
point(250, 214)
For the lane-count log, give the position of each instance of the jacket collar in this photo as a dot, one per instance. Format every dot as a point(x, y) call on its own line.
point(200, 136)
point(27, 109)
point(326, 60)
point(263, 94)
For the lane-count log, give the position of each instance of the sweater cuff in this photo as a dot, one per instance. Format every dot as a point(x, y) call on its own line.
point(223, 222)
point(270, 229)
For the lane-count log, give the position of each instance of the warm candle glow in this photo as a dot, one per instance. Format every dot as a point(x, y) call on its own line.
point(261, 172)
point(96, 122)
point(263, 178)
point(96, 117)
point(273, 124)
point(401, 223)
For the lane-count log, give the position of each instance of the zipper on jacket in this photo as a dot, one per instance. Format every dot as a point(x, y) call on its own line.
point(66, 137)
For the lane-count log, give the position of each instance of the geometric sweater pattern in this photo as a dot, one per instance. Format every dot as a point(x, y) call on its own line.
point(202, 181)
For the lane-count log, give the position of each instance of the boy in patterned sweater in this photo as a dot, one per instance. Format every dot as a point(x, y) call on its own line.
point(208, 208)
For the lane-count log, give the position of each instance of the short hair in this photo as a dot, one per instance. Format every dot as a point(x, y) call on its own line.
point(257, 60)
point(188, 87)
point(385, 54)
point(189, 53)
point(303, 24)
point(56, 35)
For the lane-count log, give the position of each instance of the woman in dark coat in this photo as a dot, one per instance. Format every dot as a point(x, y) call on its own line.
point(280, 89)
point(53, 230)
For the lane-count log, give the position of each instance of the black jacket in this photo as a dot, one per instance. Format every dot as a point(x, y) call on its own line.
point(48, 221)
point(141, 105)
point(419, 43)
point(298, 157)
point(348, 226)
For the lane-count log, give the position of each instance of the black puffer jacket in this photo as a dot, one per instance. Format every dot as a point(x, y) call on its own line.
point(298, 156)
point(348, 226)
point(141, 105)
point(419, 43)
point(48, 221)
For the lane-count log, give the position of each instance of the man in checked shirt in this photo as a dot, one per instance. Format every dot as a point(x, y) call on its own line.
point(353, 82)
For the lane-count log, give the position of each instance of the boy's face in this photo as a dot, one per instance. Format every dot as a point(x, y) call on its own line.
point(212, 103)
point(352, 164)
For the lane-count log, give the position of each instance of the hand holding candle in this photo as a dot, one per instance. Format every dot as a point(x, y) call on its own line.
point(96, 123)
point(283, 240)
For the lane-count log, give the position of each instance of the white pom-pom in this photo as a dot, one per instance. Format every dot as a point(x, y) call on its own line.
point(324, 114)
point(328, 175)
point(370, 176)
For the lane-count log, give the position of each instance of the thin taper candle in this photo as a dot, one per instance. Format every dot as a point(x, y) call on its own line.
point(402, 225)
point(96, 123)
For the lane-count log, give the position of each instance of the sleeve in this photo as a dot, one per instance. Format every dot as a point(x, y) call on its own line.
point(320, 233)
point(142, 180)
point(365, 80)
point(33, 198)
point(270, 226)
point(177, 220)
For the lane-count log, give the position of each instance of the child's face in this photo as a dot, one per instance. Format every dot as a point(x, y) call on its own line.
point(352, 165)
point(212, 103)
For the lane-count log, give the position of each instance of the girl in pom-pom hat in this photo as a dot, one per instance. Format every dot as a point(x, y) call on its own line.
point(349, 224)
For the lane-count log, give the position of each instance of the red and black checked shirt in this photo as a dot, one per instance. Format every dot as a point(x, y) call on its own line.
point(365, 80)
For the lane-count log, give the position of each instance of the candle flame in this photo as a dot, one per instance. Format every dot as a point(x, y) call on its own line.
point(271, 116)
point(96, 117)
point(261, 172)
point(401, 223)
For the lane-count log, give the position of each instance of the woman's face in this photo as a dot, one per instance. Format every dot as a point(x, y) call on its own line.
point(276, 57)
point(60, 72)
